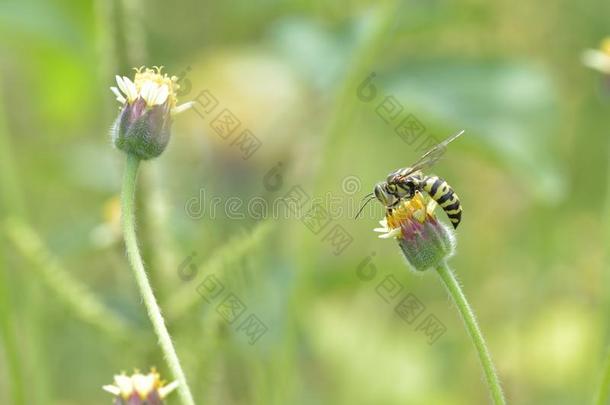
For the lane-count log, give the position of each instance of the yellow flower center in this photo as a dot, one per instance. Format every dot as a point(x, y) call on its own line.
point(147, 75)
point(415, 208)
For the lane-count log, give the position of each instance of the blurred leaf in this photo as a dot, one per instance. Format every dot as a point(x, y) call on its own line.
point(323, 54)
point(507, 108)
point(314, 51)
point(39, 21)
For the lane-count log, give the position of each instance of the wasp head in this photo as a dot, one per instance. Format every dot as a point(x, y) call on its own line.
point(386, 193)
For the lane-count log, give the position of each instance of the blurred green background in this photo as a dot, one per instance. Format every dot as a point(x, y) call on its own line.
point(531, 172)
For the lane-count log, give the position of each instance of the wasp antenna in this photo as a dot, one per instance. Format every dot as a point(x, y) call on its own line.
point(456, 135)
point(371, 198)
point(366, 196)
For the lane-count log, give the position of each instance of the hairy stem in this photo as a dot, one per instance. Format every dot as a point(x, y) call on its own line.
point(454, 289)
point(133, 253)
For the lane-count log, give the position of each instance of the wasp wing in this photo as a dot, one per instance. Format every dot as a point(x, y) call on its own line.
point(433, 155)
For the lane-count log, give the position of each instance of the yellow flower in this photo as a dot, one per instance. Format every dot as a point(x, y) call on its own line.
point(150, 85)
point(417, 208)
point(140, 389)
point(424, 241)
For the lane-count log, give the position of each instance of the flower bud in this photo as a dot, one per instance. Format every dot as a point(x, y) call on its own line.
point(143, 126)
point(425, 242)
point(139, 389)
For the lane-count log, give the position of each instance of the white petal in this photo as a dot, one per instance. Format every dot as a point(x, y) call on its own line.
point(392, 234)
point(124, 384)
point(395, 232)
point(112, 389)
point(596, 60)
point(116, 91)
point(382, 230)
point(162, 95)
point(152, 94)
point(143, 384)
point(165, 391)
point(384, 222)
point(149, 92)
point(121, 84)
point(145, 91)
point(130, 89)
point(182, 108)
point(118, 95)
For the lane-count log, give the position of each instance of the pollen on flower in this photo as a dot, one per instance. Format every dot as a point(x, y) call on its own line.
point(419, 209)
point(414, 208)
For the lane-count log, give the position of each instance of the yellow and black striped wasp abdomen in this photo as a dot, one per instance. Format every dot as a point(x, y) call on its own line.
point(402, 184)
point(441, 192)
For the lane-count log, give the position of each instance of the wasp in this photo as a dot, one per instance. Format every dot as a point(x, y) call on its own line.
point(402, 184)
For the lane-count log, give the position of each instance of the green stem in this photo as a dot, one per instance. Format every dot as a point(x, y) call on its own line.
point(603, 394)
point(473, 330)
point(133, 253)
